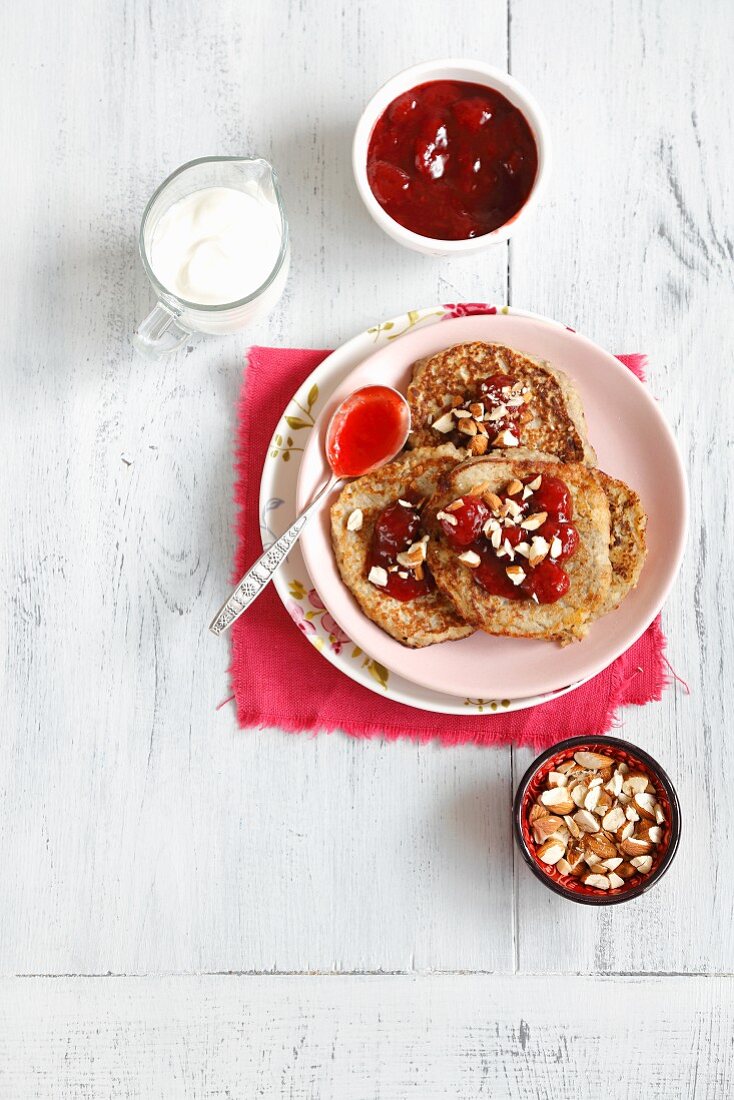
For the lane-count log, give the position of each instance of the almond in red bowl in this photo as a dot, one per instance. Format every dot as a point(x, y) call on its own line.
point(597, 820)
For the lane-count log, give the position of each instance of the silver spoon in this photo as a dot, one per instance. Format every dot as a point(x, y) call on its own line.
point(259, 576)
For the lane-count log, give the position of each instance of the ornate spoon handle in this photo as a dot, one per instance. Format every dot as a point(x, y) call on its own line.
point(257, 578)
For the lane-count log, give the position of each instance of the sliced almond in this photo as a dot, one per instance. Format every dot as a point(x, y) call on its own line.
point(455, 505)
point(545, 827)
point(470, 558)
point(476, 409)
point(655, 834)
point(592, 760)
point(601, 882)
point(614, 786)
point(494, 502)
point(604, 804)
point(533, 522)
point(377, 575)
point(627, 830)
point(460, 414)
point(659, 814)
point(592, 798)
point(514, 487)
point(563, 867)
point(567, 766)
point(600, 845)
point(467, 427)
point(537, 810)
point(645, 805)
point(613, 819)
point(497, 413)
point(578, 793)
point(625, 870)
point(615, 881)
point(556, 547)
point(523, 549)
point(557, 779)
point(572, 826)
point(612, 864)
point(539, 548)
point(516, 573)
point(558, 800)
point(505, 439)
point(631, 814)
point(448, 518)
point(595, 782)
point(535, 483)
point(479, 444)
point(634, 783)
point(551, 851)
point(355, 520)
point(635, 846)
point(643, 864)
point(445, 423)
point(414, 555)
point(586, 821)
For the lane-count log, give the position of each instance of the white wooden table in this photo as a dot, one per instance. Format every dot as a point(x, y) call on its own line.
point(187, 909)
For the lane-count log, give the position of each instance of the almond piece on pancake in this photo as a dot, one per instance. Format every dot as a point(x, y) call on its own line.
point(545, 399)
point(419, 622)
point(589, 570)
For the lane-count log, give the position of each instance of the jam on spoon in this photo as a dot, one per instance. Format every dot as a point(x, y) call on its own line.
point(367, 430)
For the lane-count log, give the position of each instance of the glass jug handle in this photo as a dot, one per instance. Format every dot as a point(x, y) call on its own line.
point(160, 333)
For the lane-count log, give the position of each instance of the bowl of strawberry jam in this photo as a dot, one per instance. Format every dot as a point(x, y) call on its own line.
point(450, 157)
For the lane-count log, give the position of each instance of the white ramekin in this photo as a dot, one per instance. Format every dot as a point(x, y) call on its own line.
point(474, 72)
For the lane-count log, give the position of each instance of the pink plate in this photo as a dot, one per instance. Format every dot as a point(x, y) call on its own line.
point(633, 442)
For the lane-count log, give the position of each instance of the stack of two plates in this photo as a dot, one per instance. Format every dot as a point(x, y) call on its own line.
point(480, 674)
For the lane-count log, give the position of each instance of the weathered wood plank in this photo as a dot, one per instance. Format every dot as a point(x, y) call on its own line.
point(350, 1038)
point(140, 830)
point(634, 248)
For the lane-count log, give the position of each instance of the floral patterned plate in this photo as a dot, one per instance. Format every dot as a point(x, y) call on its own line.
point(278, 510)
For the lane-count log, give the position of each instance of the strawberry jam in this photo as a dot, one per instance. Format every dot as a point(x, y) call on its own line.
point(521, 542)
point(397, 528)
point(367, 430)
point(498, 405)
point(452, 160)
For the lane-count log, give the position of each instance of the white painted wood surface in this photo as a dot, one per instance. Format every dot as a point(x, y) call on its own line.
point(348, 1038)
point(141, 833)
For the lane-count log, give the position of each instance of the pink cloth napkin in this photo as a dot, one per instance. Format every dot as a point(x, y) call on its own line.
point(279, 679)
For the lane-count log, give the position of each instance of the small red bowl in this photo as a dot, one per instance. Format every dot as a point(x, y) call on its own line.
point(533, 782)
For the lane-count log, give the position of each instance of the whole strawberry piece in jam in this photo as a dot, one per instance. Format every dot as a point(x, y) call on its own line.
point(470, 518)
point(547, 581)
point(492, 387)
point(472, 113)
point(394, 531)
point(553, 497)
point(567, 535)
point(388, 182)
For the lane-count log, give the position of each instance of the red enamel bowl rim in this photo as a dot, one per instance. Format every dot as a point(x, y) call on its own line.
point(594, 744)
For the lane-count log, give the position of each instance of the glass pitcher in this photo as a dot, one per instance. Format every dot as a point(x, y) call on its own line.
point(174, 319)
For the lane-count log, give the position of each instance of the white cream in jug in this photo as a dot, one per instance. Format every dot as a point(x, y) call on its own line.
point(216, 245)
